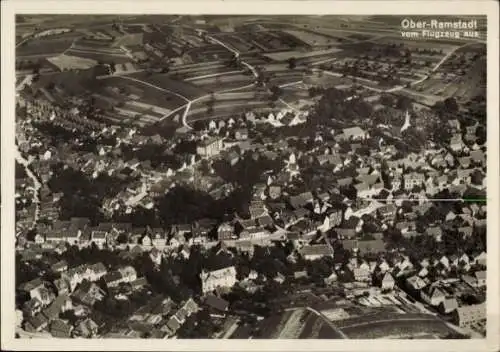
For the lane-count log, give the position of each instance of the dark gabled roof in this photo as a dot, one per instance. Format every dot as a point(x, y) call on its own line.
point(317, 249)
point(216, 303)
point(30, 285)
point(112, 276)
point(376, 246)
point(59, 328)
point(265, 220)
point(52, 311)
point(37, 321)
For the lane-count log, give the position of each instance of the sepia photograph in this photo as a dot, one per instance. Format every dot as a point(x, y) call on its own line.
point(250, 176)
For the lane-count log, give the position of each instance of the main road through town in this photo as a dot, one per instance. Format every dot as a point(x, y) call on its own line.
point(37, 184)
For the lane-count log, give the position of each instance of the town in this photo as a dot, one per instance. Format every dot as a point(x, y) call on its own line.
point(248, 177)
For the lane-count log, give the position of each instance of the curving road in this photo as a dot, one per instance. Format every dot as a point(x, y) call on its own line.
point(37, 185)
point(329, 322)
point(246, 64)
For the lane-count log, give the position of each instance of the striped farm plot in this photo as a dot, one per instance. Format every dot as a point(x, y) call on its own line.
point(312, 39)
point(276, 67)
point(224, 80)
point(217, 76)
point(99, 50)
point(238, 43)
point(193, 76)
point(71, 62)
point(235, 95)
point(164, 81)
point(196, 66)
point(154, 109)
point(285, 55)
point(104, 102)
point(199, 111)
point(99, 56)
point(285, 79)
point(139, 113)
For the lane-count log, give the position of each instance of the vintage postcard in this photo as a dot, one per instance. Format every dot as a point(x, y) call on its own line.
point(250, 175)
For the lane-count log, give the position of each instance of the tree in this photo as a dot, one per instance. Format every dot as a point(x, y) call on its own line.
point(450, 105)
point(387, 100)
point(277, 92)
point(403, 103)
point(199, 125)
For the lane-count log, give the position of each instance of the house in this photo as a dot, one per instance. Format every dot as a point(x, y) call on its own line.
point(387, 282)
point(128, 274)
point(88, 293)
point(59, 267)
point(181, 229)
point(387, 212)
point(146, 240)
point(480, 277)
point(209, 147)
point(216, 306)
point(60, 305)
point(232, 158)
point(384, 266)
point(86, 329)
point(415, 283)
point(436, 232)
point(39, 239)
point(480, 259)
point(241, 134)
point(423, 272)
point(331, 279)
point(265, 221)
point(465, 231)
point(449, 305)
point(279, 278)
point(364, 246)
point(301, 200)
point(139, 283)
point(158, 238)
point(255, 233)
point(300, 274)
point(113, 278)
point(225, 278)
point(98, 237)
point(467, 316)
point(433, 295)
point(36, 323)
point(328, 159)
point(156, 256)
point(32, 307)
point(413, 179)
point(60, 329)
point(354, 133)
point(62, 286)
point(316, 251)
point(32, 287)
point(362, 274)
point(274, 191)
point(225, 231)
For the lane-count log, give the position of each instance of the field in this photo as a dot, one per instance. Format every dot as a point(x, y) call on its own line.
point(312, 39)
point(42, 48)
point(328, 52)
point(387, 324)
point(285, 55)
point(68, 62)
point(227, 80)
point(99, 56)
point(164, 81)
point(143, 93)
